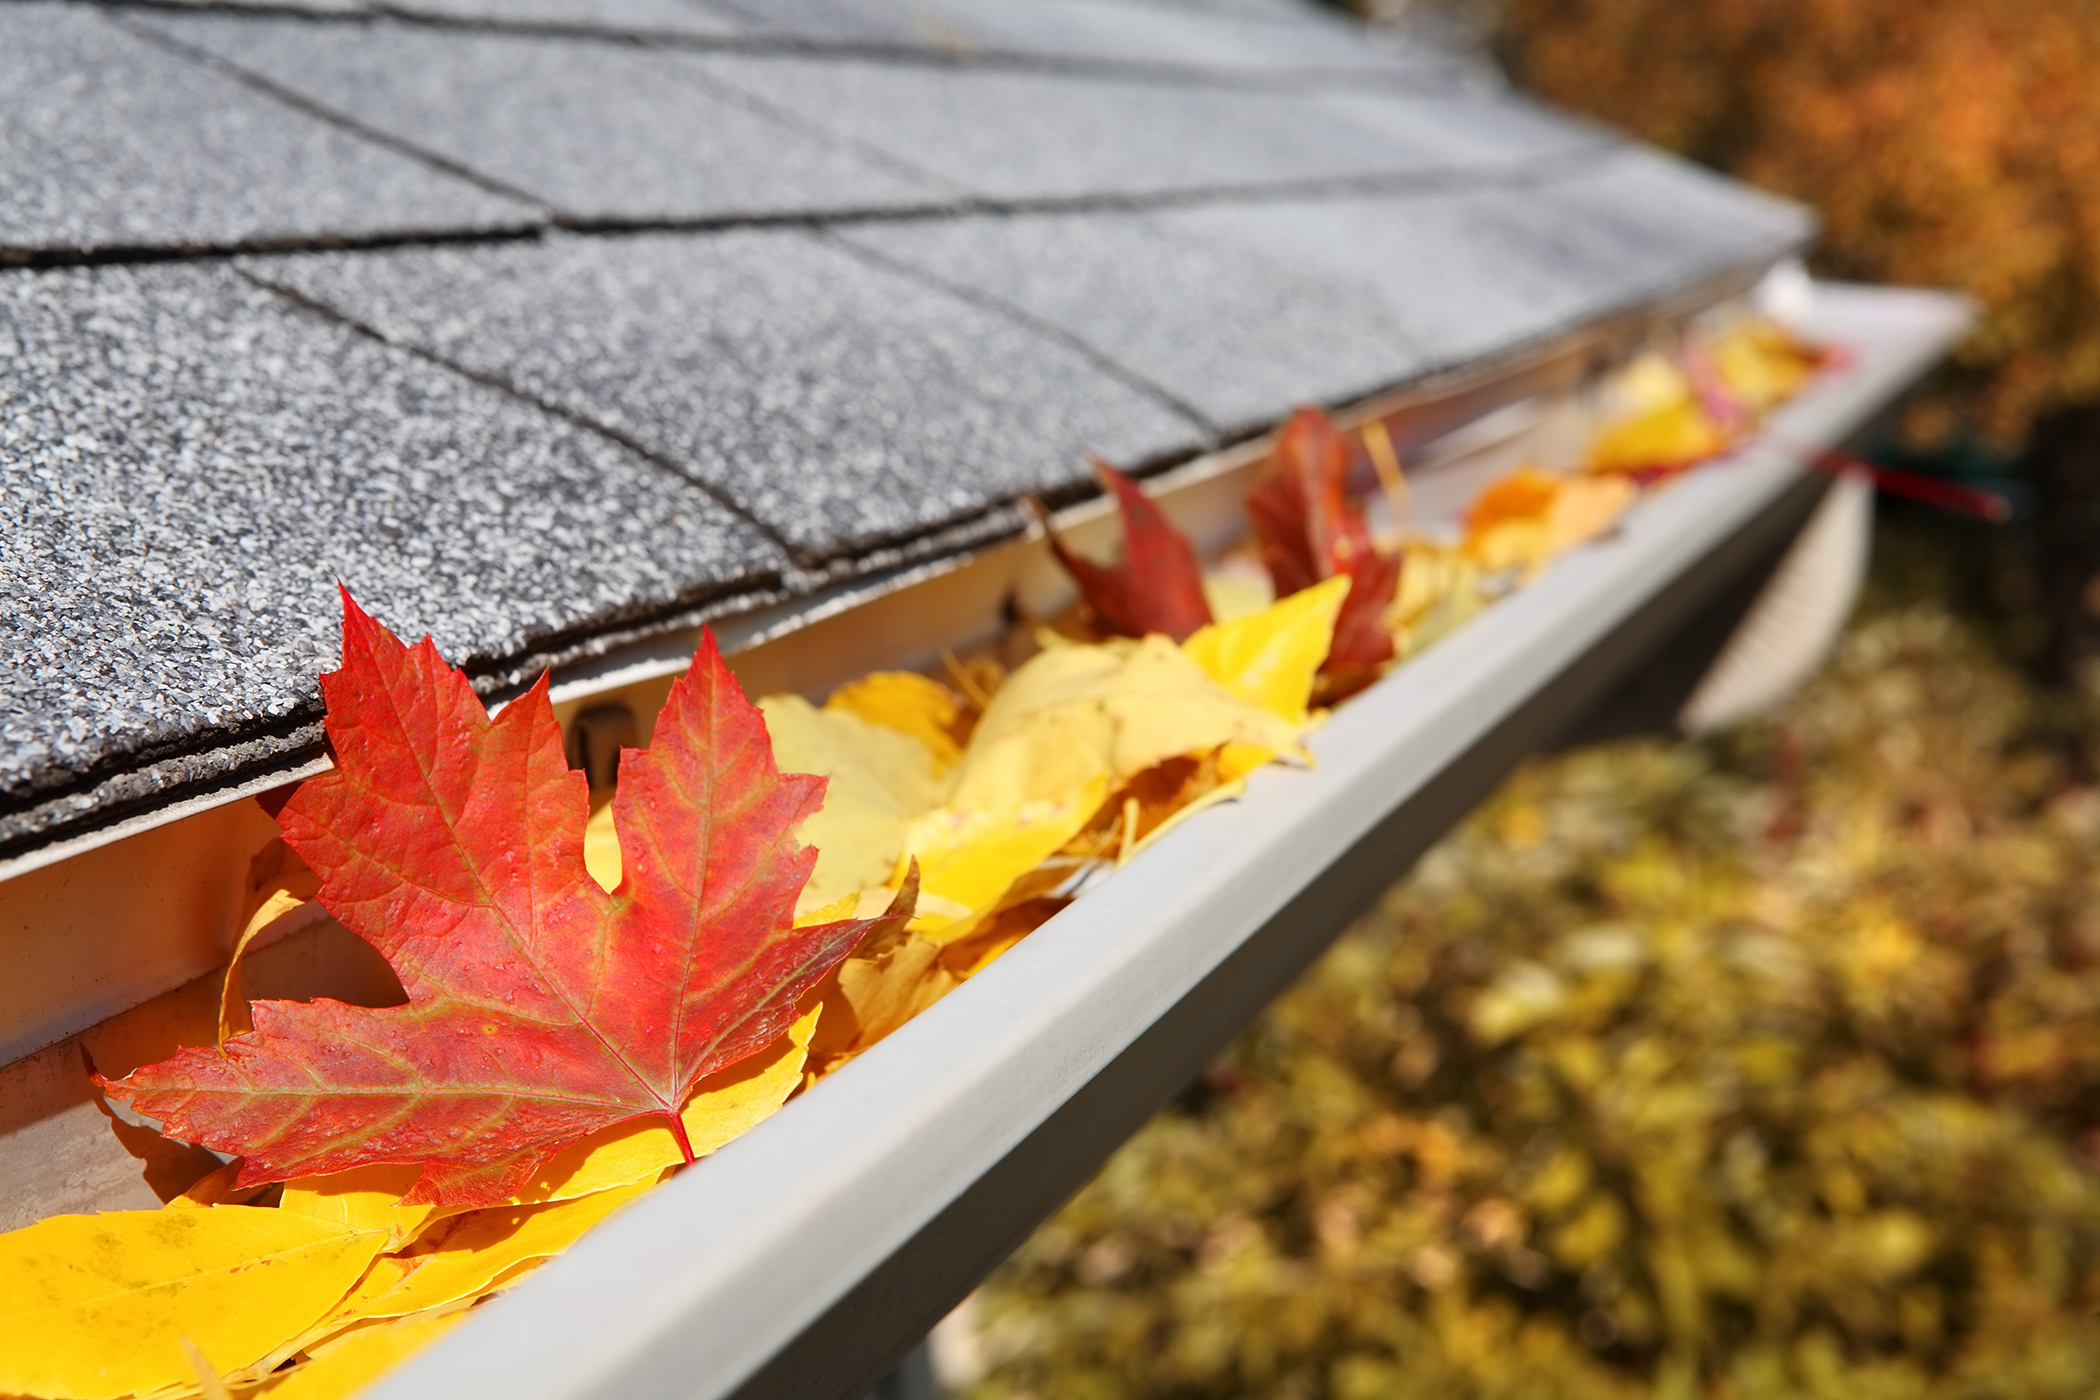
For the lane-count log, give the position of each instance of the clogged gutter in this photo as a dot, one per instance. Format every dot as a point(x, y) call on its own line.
point(1011, 786)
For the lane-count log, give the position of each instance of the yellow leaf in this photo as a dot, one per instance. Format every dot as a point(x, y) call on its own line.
point(1519, 544)
point(910, 704)
point(1269, 658)
point(1236, 588)
point(474, 1251)
point(1236, 761)
point(233, 1007)
point(1524, 494)
point(601, 848)
point(968, 860)
point(1439, 589)
point(1081, 712)
point(97, 1306)
point(279, 884)
point(1651, 382)
point(219, 1187)
point(1655, 421)
point(968, 957)
point(1225, 778)
point(1506, 525)
point(1525, 519)
point(368, 1198)
point(881, 987)
point(345, 1367)
point(1146, 807)
point(880, 778)
point(210, 1384)
point(1676, 435)
point(1762, 365)
point(1587, 508)
point(1061, 734)
point(872, 993)
point(839, 909)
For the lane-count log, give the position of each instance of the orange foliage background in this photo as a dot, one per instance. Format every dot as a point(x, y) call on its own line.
point(1950, 143)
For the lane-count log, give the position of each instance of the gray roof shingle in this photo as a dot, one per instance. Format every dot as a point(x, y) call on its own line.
point(1241, 310)
point(683, 18)
point(542, 115)
point(309, 7)
point(190, 465)
point(843, 405)
point(106, 141)
point(1239, 39)
point(1012, 135)
point(1222, 326)
point(592, 318)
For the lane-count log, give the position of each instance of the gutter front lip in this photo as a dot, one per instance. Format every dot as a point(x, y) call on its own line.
point(704, 1284)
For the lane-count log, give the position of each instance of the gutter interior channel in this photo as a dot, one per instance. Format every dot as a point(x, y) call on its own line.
point(145, 912)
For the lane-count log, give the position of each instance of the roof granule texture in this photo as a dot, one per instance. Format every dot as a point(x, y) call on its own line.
point(841, 404)
point(108, 141)
point(187, 467)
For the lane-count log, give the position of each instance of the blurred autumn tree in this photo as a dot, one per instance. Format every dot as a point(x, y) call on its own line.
point(1952, 144)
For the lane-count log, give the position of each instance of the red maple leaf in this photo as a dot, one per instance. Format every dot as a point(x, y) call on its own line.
point(1157, 587)
point(541, 1008)
point(1362, 641)
point(1309, 532)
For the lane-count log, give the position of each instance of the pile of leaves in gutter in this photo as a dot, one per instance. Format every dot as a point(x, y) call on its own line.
point(1764, 1067)
point(596, 990)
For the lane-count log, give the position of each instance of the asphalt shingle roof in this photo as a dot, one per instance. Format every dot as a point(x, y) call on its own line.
point(745, 360)
point(1238, 39)
point(1234, 308)
point(540, 117)
point(109, 141)
point(682, 18)
point(550, 324)
point(1013, 135)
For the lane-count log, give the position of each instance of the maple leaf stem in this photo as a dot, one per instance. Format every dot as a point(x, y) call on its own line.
point(685, 1144)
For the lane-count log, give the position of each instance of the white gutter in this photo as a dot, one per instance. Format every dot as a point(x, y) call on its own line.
point(809, 1254)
